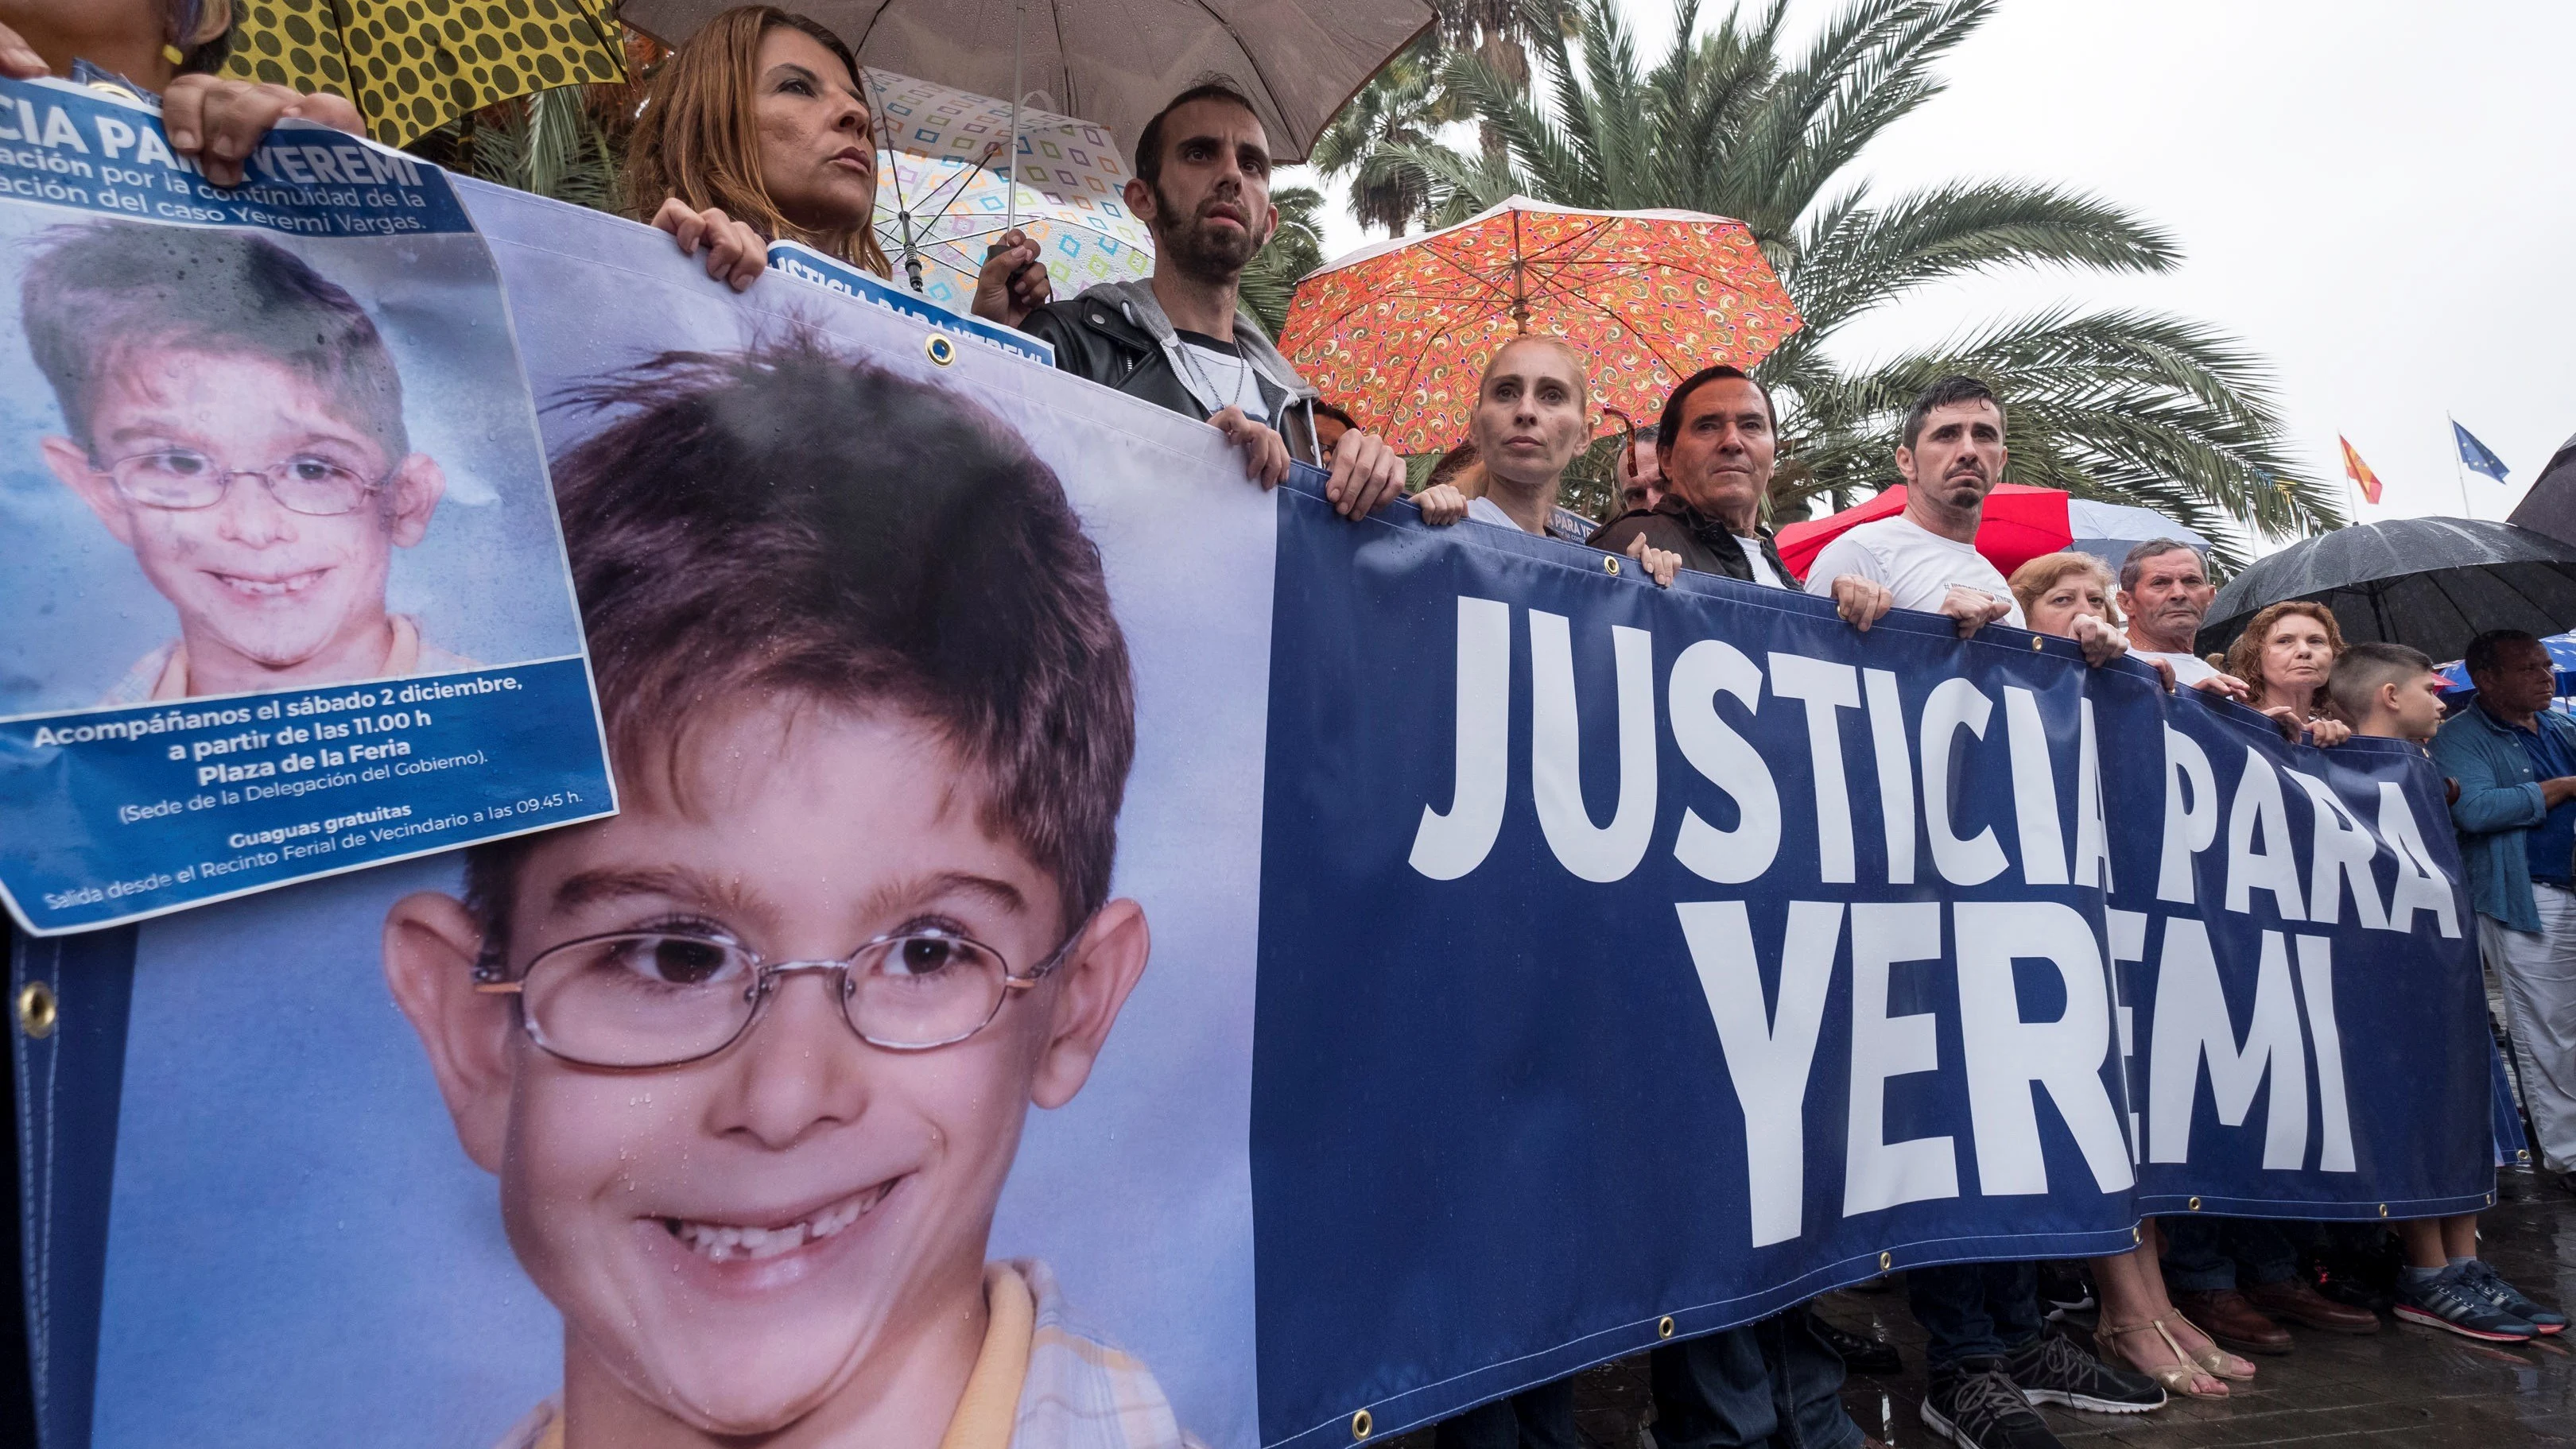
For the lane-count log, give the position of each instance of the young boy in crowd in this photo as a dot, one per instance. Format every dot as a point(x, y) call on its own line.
point(751, 1060)
point(2392, 692)
point(235, 419)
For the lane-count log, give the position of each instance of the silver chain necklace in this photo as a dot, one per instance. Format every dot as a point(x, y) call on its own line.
point(1242, 376)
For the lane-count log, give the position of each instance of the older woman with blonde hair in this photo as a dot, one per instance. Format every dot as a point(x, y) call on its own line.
point(2285, 657)
point(2054, 588)
point(756, 130)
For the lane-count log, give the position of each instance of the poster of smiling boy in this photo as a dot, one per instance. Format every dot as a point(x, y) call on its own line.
point(289, 595)
point(751, 1060)
point(826, 1088)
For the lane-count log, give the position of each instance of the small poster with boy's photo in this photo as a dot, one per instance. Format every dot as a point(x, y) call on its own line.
point(285, 593)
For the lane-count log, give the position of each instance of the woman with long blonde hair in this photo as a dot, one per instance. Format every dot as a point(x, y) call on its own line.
point(755, 130)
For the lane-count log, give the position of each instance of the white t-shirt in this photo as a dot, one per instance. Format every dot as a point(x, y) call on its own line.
point(1228, 378)
point(2189, 669)
point(1486, 510)
point(1763, 573)
point(1917, 565)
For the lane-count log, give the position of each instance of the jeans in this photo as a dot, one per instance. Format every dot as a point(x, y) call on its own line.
point(1973, 1310)
point(1771, 1384)
point(2538, 972)
point(1539, 1418)
point(2205, 1254)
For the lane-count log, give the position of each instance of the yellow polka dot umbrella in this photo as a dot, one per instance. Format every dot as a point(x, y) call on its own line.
point(1399, 331)
point(414, 65)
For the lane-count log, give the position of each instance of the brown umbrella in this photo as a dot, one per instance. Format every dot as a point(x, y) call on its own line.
point(1112, 61)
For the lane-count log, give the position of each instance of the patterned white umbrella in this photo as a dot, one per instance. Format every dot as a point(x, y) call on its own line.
point(942, 197)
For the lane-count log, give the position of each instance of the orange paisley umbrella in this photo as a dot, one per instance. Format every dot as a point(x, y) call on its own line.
point(1398, 332)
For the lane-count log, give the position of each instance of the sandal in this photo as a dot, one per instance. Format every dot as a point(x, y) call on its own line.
point(2219, 1362)
point(2181, 1376)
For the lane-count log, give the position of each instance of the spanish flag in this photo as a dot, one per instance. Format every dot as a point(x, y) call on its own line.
point(2359, 471)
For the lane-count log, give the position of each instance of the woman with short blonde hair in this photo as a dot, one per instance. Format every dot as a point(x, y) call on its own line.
point(2063, 585)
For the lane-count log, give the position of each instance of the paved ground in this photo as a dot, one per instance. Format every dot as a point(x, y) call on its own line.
point(2404, 1388)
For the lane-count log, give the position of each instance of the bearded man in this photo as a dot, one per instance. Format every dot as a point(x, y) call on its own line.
point(1180, 339)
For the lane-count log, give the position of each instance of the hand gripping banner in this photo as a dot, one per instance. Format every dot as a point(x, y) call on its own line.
point(1501, 964)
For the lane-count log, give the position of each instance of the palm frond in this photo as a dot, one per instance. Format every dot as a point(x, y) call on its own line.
point(1850, 259)
point(1293, 251)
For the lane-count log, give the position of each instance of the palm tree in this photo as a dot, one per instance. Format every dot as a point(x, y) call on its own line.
point(2125, 406)
point(1396, 111)
point(1406, 102)
point(1296, 249)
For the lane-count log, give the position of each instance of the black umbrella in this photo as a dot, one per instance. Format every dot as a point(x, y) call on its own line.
point(2550, 506)
point(2435, 583)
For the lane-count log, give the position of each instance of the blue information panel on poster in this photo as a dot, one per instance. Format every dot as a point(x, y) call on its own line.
point(285, 593)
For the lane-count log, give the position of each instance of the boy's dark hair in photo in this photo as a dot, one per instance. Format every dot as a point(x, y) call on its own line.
point(97, 292)
point(2362, 668)
point(782, 521)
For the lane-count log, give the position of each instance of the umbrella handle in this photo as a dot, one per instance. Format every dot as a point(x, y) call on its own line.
point(1629, 448)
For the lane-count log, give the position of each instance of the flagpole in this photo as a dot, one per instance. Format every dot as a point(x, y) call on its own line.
point(2457, 472)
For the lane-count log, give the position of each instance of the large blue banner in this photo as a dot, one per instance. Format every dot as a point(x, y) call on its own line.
point(1636, 962)
point(1522, 964)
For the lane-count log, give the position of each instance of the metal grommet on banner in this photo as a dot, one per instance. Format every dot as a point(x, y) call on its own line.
point(2383, 1210)
point(1610, 564)
point(1362, 1426)
point(2034, 643)
point(1664, 1326)
point(37, 1010)
point(1886, 1261)
point(941, 350)
point(2134, 1235)
point(2195, 1204)
point(2522, 1154)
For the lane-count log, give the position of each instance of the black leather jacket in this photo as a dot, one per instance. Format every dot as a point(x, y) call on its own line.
point(1092, 339)
point(1703, 543)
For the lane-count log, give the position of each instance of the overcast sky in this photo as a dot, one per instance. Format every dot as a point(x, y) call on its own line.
point(2378, 197)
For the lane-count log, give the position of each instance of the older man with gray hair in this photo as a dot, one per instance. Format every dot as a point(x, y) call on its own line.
point(2164, 594)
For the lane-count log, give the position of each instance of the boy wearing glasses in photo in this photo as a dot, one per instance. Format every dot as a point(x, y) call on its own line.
point(751, 1060)
point(236, 420)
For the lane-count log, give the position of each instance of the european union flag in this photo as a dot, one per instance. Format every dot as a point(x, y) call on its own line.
point(2476, 456)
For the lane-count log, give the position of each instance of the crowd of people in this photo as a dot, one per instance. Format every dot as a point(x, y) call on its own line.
point(757, 129)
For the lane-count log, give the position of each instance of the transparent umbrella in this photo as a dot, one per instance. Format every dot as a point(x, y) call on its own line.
point(942, 198)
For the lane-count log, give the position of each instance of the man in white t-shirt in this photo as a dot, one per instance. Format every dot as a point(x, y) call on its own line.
point(1926, 557)
point(2164, 594)
point(1987, 1355)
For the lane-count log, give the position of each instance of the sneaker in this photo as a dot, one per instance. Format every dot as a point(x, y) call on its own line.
point(1974, 1406)
point(2447, 1302)
point(2487, 1283)
point(2050, 1369)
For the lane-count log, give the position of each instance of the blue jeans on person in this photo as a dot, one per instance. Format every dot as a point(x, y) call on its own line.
point(1973, 1310)
point(1539, 1418)
point(2207, 1254)
point(1772, 1384)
